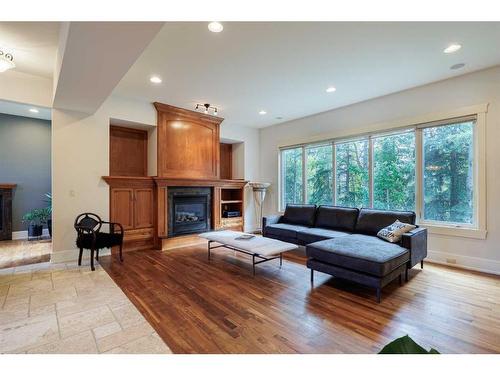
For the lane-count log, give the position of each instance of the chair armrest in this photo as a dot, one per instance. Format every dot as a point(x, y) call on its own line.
point(112, 226)
point(268, 220)
point(416, 242)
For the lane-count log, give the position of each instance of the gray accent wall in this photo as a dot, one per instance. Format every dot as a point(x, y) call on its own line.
point(25, 161)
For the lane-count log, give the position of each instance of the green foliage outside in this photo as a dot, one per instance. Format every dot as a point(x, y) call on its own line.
point(352, 174)
point(447, 173)
point(405, 345)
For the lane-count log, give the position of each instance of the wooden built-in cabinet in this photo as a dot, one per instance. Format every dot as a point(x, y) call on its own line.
point(132, 204)
point(226, 161)
point(128, 151)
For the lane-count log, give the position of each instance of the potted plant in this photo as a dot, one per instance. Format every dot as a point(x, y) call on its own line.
point(48, 200)
point(35, 220)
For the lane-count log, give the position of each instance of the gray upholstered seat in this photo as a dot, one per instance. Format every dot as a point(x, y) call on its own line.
point(310, 235)
point(361, 253)
point(284, 230)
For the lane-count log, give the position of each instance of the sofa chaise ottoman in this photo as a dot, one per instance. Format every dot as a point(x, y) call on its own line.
point(343, 242)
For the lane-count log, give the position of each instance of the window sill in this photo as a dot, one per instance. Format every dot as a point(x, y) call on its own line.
point(442, 230)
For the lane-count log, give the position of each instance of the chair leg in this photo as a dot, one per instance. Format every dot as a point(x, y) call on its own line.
point(97, 254)
point(80, 256)
point(92, 260)
point(121, 255)
point(422, 264)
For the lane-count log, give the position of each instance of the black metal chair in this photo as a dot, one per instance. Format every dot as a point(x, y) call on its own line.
point(89, 236)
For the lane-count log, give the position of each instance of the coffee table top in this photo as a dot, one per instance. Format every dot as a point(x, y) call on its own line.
point(257, 245)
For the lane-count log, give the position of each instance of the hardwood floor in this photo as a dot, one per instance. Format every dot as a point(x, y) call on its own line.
point(198, 306)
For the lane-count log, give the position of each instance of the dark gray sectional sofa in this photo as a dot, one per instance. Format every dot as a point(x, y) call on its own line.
point(343, 242)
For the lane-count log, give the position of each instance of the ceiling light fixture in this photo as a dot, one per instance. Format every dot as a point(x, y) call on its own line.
point(331, 89)
point(6, 61)
point(207, 109)
point(34, 110)
point(262, 112)
point(155, 79)
point(452, 48)
point(215, 27)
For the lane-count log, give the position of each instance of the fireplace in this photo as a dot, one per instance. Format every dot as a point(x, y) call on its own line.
point(189, 210)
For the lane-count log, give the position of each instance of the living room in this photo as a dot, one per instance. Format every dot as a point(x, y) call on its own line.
point(213, 191)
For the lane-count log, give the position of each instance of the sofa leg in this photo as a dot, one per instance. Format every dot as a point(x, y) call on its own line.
point(406, 275)
point(400, 279)
point(422, 264)
point(378, 295)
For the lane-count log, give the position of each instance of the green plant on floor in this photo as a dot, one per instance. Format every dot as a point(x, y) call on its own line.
point(37, 216)
point(48, 200)
point(405, 345)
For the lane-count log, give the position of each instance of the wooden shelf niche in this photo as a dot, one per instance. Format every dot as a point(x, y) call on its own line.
point(132, 192)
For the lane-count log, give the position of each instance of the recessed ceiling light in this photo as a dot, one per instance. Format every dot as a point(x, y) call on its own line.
point(34, 110)
point(215, 27)
point(155, 79)
point(331, 89)
point(457, 66)
point(452, 48)
point(262, 112)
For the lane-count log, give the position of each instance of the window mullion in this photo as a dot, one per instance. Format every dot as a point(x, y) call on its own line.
point(334, 174)
point(419, 165)
point(370, 171)
point(304, 177)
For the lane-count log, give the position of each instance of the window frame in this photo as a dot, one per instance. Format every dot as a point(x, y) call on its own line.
point(476, 113)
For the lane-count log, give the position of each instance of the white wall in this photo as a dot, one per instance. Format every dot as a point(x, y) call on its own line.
point(448, 95)
point(25, 88)
point(80, 156)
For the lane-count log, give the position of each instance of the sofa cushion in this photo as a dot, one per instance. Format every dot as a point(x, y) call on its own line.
point(310, 235)
point(372, 221)
point(334, 217)
point(299, 214)
point(284, 230)
point(360, 253)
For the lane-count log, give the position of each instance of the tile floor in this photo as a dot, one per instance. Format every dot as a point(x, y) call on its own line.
point(63, 308)
point(20, 252)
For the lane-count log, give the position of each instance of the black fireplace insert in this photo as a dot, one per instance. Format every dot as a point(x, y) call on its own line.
point(189, 210)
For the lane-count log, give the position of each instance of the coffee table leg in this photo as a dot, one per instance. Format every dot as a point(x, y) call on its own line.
point(281, 259)
point(209, 242)
point(253, 263)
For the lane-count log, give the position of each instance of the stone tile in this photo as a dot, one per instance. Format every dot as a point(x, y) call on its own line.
point(12, 278)
point(30, 287)
point(128, 315)
point(127, 335)
point(53, 296)
point(151, 344)
point(75, 323)
point(77, 281)
point(4, 289)
point(82, 343)
point(106, 330)
point(42, 310)
point(27, 333)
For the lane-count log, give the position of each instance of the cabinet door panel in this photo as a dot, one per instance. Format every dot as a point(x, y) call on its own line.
point(122, 207)
point(143, 208)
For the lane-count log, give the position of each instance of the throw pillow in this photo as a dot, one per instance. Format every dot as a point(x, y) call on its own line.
point(394, 232)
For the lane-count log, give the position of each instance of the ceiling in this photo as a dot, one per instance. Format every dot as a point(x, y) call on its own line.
point(33, 45)
point(284, 68)
point(19, 109)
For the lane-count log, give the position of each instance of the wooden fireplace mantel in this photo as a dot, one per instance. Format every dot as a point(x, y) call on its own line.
point(8, 186)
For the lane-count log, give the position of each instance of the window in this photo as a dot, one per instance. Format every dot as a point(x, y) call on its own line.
point(434, 169)
point(394, 172)
point(319, 172)
point(448, 178)
point(352, 186)
point(291, 166)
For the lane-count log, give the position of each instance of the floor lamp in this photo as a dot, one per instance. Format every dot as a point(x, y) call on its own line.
point(259, 194)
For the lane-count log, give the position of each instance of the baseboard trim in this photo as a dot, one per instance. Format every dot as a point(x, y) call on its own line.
point(465, 262)
point(23, 234)
point(72, 255)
